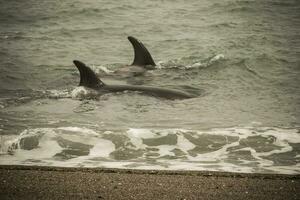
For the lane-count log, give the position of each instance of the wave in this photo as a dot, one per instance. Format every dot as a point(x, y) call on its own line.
point(236, 149)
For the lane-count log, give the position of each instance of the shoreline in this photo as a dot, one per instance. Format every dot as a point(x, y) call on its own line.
point(36, 182)
point(153, 172)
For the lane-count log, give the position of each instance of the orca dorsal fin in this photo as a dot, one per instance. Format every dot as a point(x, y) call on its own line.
point(88, 78)
point(142, 57)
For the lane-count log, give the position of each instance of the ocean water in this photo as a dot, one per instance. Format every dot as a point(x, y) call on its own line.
point(241, 58)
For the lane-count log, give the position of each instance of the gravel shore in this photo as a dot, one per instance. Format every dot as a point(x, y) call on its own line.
point(31, 182)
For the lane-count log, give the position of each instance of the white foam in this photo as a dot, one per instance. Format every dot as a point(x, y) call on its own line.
point(223, 158)
point(142, 133)
point(103, 148)
point(58, 94)
point(184, 144)
point(80, 130)
point(288, 135)
point(205, 64)
point(102, 68)
point(83, 93)
point(216, 58)
point(46, 148)
point(6, 142)
point(159, 64)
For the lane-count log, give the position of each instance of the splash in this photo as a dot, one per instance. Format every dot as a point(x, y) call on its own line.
point(206, 63)
point(57, 94)
point(83, 93)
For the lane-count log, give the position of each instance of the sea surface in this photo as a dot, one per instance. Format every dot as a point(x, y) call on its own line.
point(241, 58)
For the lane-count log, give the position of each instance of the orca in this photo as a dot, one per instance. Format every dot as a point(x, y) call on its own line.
point(89, 79)
point(142, 61)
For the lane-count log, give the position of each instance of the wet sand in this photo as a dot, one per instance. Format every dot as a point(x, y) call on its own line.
point(31, 182)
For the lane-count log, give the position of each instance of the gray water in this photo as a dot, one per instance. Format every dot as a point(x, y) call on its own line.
point(240, 57)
